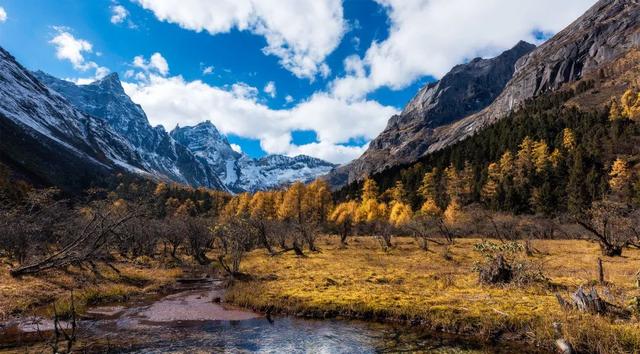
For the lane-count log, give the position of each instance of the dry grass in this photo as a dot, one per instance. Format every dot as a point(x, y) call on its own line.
point(408, 284)
point(31, 293)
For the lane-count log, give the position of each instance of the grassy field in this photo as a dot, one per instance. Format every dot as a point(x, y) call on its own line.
point(36, 293)
point(440, 290)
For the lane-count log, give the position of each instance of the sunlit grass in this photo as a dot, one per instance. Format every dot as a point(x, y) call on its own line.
point(408, 284)
point(30, 293)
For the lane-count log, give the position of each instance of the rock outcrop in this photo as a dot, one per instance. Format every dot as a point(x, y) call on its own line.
point(592, 47)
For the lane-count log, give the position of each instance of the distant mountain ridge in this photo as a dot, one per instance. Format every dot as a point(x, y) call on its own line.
point(106, 99)
point(240, 172)
point(197, 156)
point(50, 140)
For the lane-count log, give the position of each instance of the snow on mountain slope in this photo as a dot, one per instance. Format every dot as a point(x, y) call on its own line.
point(241, 173)
point(160, 154)
point(31, 114)
point(198, 156)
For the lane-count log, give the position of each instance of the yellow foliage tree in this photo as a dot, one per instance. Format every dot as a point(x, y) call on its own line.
point(430, 208)
point(400, 214)
point(541, 155)
point(568, 139)
point(490, 188)
point(161, 189)
point(398, 193)
point(369, 190)
point(429, 184)
point(243, 208)
point(291, 208)
point(507, 165)
point(555, 158)
point(452, 217)
point(630, 105)
point(620, 178)
point(454, 184)
point(524, 161)
point(344, 216)
point(615, 113)
point(262, 206)
point(318, 201)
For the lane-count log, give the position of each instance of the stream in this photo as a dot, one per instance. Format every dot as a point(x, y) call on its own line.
point(193, 320)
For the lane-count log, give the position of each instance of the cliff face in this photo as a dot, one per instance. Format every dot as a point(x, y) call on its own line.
point(602, 45)
point(465, 90)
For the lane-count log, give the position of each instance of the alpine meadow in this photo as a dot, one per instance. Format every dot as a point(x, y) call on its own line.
point(319, 176)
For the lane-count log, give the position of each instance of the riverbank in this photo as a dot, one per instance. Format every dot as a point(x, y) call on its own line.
point(440, 290)
point(22, 296)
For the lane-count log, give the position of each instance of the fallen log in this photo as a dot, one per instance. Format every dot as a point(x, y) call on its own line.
point(590, 302)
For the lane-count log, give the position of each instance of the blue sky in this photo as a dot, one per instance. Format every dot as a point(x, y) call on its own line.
point(274, 84)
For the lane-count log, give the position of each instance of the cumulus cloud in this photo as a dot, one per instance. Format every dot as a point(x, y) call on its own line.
point(236, 148)
point(236, 110)
point(118, 14)
point(73, 49)
point(301, 33)
point(429, 37)
point(288, 99)
point(270, 89)
point(3, 14)
point(157, 63)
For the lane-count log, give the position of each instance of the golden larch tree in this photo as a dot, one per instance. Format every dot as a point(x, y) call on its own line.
point(490, 188)
point(429, 185)
point(568, 139)
point(620, 178)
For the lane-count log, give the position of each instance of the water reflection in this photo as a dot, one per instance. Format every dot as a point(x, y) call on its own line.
point(194, 321)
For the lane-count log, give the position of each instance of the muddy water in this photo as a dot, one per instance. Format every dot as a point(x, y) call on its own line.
point(194, 321)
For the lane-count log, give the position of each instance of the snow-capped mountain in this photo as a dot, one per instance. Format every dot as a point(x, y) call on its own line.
point(43, 135)
point(198, 156)
point(106, 100)
point(240, 172)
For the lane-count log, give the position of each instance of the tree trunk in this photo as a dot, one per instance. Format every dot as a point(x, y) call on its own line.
point(344, 235)
point(609, 250)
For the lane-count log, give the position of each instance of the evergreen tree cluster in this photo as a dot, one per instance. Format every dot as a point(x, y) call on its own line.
point(548, 157)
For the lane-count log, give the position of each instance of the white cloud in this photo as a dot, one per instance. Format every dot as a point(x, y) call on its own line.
point(270, 89)
point(429, 37)
point(157, 63)
point(72, 49)
point(288, 99)
point(236, 148)
point(3, 14)
point(301, 33)
point(118, 14)
point(207, 70)
point(237, 110)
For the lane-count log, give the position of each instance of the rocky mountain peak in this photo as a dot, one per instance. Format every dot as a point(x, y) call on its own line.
point(110, 83)
point(466, 89)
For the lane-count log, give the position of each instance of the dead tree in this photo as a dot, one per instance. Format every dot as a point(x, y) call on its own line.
point(199, 239)
point(609, 224)
point(89, 237)
point(590, 302)
point(236, 241)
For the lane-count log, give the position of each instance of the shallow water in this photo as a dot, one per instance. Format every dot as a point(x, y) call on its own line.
point(192, 321)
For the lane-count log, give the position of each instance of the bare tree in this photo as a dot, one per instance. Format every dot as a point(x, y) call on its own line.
point(33, 225)
point(609, 223)
point(88, 234)
point(199, 239)
point(236, 240)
